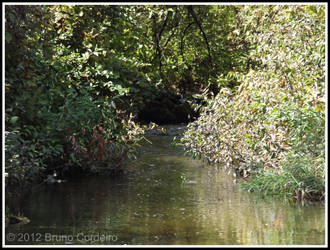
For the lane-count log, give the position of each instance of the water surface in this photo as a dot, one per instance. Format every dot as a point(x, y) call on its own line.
point(164, 198)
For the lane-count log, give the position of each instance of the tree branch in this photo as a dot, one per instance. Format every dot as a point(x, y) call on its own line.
point(157, 40)
point(193, 14)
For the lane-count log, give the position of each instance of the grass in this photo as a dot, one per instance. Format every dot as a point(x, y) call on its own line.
point(300, 177)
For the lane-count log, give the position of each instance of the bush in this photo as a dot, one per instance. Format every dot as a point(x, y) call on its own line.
point(277, 113)
point(66, 102)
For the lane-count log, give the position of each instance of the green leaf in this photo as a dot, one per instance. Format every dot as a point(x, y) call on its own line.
point(113, 104)
point(14, 119)
point(8, 37)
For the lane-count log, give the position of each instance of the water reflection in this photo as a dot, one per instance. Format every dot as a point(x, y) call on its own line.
point(167, 198)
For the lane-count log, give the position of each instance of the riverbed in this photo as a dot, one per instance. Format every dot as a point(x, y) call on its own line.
point(164, 198)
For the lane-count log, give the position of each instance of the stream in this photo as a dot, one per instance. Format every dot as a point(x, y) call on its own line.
point(164, 198)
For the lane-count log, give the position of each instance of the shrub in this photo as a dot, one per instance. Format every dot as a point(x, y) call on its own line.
point(59, 92)
point(277, 113)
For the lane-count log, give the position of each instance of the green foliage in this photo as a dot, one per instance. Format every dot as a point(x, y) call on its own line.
point(73, 68)
point(190, 51)
point(60, 89)
point(277, 113)
point(77, 76)
point(299, 178)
